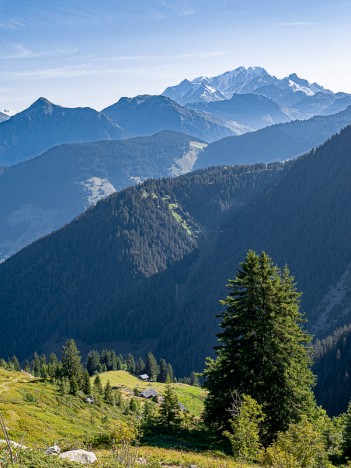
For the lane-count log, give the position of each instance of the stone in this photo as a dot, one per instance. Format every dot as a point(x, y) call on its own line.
point(141, 461)
point(54, 450)
point(79, 456)
point(15, 444)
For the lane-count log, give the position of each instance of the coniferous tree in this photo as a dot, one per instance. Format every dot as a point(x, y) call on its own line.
point(262, 350)
point(140, 367)
point(162, 377)
point(71, 361)
point(169, 414)
point(36, 366)
point(93, 362)
point(170, 372)
point(130, 364)
point(108, 393)
point(86, 384)
point(15, 363)
point(98, 388)
point(151, 367)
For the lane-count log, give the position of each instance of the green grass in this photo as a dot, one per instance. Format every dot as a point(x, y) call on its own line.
point(38, 416)
point(174, 207)
point(192, 397)
point(36, 413)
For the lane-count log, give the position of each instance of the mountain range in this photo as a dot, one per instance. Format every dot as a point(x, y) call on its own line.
point(295, 96)
point(44, 193)
point(146, 115)
point(145, 268)
point(275, 143)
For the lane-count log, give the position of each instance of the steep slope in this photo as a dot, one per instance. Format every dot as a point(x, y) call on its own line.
point(44, 193)
point(145, 115)
point(112, 275)
point(146, 267)
point(275, 143)
point(44, 125)
point(251, 110)
point(332, 365)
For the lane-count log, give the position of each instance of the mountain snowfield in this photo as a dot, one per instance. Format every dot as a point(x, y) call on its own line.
point(292, 93)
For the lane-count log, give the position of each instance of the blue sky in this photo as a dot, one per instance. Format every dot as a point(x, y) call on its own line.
point(90, 53)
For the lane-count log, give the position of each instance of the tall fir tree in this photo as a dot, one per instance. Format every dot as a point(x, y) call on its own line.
point(263, 349)
point(71, 361)
point(140, 366)
point(169, 414)
point(152, 368)
point(163, 371)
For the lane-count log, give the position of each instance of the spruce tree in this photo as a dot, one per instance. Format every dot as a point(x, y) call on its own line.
point(163, 371)
point(152, 368)
point(263, 349)
point(130, 364)
point(70, 361)
point(169, 415)
point(93, 362)
point(140, 366)
point(86, 384)
point(108, 393)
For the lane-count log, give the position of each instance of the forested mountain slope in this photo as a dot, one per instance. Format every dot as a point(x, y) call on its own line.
point(274, 143)
point(147, 266)
point(42, 194)
point(113, 274)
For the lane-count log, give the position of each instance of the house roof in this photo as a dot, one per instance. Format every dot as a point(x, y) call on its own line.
point(143, 376)
point(149, 393)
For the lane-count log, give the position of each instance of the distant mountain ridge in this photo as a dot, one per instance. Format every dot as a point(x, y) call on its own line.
point(275, 143)
point(44, 125)
point(296, 96)
point(44, 193)
point(146, 115)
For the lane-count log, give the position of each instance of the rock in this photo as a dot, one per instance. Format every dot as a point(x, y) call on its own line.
point(15, 444)
point(54, 450)
point(192, 466)
point(142, 461)
point(89, 399)
point(79, 456)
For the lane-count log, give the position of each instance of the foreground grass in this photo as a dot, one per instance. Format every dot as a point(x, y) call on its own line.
point(192, 397)
point(38, 416)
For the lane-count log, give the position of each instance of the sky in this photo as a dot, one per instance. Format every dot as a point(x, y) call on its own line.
point(91, 53)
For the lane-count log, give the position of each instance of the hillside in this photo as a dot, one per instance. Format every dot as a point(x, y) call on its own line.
point(44, 124)
point(68, 178)
point(145, 115)
point(115, 278)
point(38, 415)
point(146, 267)
point(191, 397)
point(275, 143)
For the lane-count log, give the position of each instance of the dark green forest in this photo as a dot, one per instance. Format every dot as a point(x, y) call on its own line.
point(147, 266)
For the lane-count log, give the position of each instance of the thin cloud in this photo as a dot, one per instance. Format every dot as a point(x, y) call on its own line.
point(18, 52)
point(297, 24)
